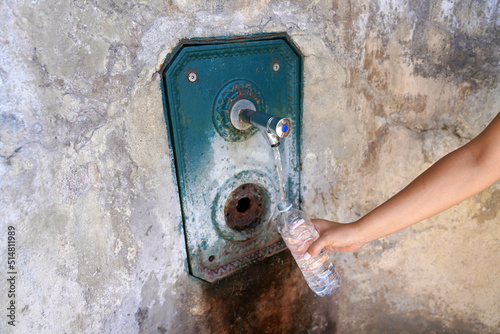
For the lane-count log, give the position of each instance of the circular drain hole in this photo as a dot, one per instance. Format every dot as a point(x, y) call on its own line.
point(245, 206)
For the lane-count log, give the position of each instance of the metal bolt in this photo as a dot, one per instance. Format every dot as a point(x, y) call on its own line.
point(276, 67)
point(192, 77)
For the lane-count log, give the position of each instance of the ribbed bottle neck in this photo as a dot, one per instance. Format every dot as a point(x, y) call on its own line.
point(284, 207)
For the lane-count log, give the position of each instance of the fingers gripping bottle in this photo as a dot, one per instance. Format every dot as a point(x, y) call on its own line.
point(298, 232)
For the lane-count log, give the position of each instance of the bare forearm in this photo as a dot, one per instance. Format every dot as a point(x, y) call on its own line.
point(459, 175)
point(437, 189)
point(456, 177)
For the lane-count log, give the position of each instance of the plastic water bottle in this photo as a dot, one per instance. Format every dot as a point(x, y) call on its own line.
point(298, 232)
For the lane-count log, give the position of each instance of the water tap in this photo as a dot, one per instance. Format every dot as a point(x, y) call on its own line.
point(243, 115)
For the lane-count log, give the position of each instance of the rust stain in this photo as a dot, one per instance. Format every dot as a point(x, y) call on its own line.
point(374, 146)
point(377, 77)
point(269, 298)
point(407, 103)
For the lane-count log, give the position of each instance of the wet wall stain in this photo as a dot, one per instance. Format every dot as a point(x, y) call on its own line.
point(269, 298)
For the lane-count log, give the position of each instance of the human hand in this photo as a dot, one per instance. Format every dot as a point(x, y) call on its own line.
point(334, 237)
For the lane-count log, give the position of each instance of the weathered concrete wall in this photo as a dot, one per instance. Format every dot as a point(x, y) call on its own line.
point(85, 172)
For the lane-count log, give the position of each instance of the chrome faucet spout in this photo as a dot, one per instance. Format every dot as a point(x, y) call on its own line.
point(273, 128)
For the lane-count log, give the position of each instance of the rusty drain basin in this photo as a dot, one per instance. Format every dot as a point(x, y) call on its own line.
point(244, 207)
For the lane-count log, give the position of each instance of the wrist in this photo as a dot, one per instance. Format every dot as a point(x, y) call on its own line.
point(362, 230)
point(352, 237)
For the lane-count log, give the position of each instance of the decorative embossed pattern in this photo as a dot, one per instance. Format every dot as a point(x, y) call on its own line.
point(232, 92)
point(228, 268)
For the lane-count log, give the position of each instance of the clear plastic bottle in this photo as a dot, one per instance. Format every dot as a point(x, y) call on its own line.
point(298, 232)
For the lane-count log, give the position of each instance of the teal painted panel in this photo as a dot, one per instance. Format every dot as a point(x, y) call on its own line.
point(201, 80)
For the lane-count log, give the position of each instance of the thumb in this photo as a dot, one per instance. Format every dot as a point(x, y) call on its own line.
point(315, 248)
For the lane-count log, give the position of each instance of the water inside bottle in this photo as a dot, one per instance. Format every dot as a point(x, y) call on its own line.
point(318, 271)
point(301, 237)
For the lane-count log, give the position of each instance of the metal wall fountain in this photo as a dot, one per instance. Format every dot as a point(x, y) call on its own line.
point(226, 176)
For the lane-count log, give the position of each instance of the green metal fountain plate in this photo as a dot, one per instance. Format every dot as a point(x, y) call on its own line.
point(227, 179)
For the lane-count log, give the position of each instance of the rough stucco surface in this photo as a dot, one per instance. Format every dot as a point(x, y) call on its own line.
point(85, 171)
